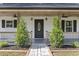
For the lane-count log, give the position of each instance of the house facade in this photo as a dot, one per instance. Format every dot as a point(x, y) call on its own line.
point(39, 20)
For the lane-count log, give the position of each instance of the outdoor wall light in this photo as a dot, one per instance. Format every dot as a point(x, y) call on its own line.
point(14, 15)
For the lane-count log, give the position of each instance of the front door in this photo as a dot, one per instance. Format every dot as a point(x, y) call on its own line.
point(39, 28)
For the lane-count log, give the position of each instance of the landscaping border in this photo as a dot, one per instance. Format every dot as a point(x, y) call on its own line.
point(53, 51)
point(50, 52)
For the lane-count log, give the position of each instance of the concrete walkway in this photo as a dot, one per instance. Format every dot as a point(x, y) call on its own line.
point(39, 49)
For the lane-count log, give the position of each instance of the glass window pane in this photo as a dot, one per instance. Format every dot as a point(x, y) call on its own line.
point(9, 24)
point(68, 26)
point(39, 26)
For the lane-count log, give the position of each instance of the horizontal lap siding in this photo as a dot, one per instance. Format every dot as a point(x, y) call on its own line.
point(69, 38)
point(48, 25)
point(71, 35)
point(7, 36)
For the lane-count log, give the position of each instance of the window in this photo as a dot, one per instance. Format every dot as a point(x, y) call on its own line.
point(9, 23)
point(69, 25)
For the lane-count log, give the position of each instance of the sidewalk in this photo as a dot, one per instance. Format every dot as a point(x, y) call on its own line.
point(39, 49)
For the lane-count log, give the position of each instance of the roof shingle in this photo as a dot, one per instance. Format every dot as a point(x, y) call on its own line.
point(39, 5)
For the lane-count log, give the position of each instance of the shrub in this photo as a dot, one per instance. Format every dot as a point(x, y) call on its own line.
point(3, 44)
point(56, 35)
point(75, 44)
point(22, 33)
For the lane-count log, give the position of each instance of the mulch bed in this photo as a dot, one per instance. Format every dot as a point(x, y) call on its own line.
point(12, 50)
point(12, 47)
point(12, 53)
point(65, 50)
point(64, 47)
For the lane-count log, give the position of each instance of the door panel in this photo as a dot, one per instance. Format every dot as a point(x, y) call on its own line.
point(39, 28)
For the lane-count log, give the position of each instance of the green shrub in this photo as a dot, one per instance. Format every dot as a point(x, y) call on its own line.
point(3, 44)
point(22, 33)
point(56, 35)
point(75, 44)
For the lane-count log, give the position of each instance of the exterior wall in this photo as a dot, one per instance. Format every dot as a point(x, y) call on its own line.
point(9, 33)
point(71, 35)
point(30, 24)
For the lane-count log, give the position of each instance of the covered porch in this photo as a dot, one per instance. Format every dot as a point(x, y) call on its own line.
point(37, 14)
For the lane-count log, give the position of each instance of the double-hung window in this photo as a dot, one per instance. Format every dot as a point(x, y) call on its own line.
point(9, 23)
point(69, 25)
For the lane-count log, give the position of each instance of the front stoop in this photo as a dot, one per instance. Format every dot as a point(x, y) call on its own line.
point(38, 49)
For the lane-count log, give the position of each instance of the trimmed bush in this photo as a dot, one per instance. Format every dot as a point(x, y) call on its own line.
point(56, 35)
point(3, 44)
point(75, 44)
point(22, 33)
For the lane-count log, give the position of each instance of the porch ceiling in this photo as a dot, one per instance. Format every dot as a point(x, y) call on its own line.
point(36, 12)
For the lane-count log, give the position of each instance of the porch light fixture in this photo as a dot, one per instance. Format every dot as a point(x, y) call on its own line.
point(46, 18)
point(14, 15)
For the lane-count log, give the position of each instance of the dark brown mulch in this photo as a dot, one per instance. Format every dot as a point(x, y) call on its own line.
point(64, 47)
point(12, 47)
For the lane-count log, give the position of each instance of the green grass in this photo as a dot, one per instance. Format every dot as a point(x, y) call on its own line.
point(66, 53)
point(12, 53)
point(3, 43)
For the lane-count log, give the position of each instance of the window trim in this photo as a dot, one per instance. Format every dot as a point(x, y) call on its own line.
point(13, 23)
point(6, 24)
point(72, 25)
point(66, 26)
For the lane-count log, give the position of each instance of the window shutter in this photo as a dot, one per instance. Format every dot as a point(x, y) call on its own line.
point(62, 25)
point(15, 23)
point(74, 25)
point(3, 23)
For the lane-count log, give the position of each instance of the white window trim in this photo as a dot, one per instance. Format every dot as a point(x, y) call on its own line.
point(65, 25)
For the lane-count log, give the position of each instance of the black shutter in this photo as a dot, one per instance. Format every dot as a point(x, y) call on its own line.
point(62, 25)
point(3, 23)
point(15, 23)
point(74, 25)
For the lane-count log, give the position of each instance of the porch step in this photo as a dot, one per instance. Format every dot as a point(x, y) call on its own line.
point(39, 40)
